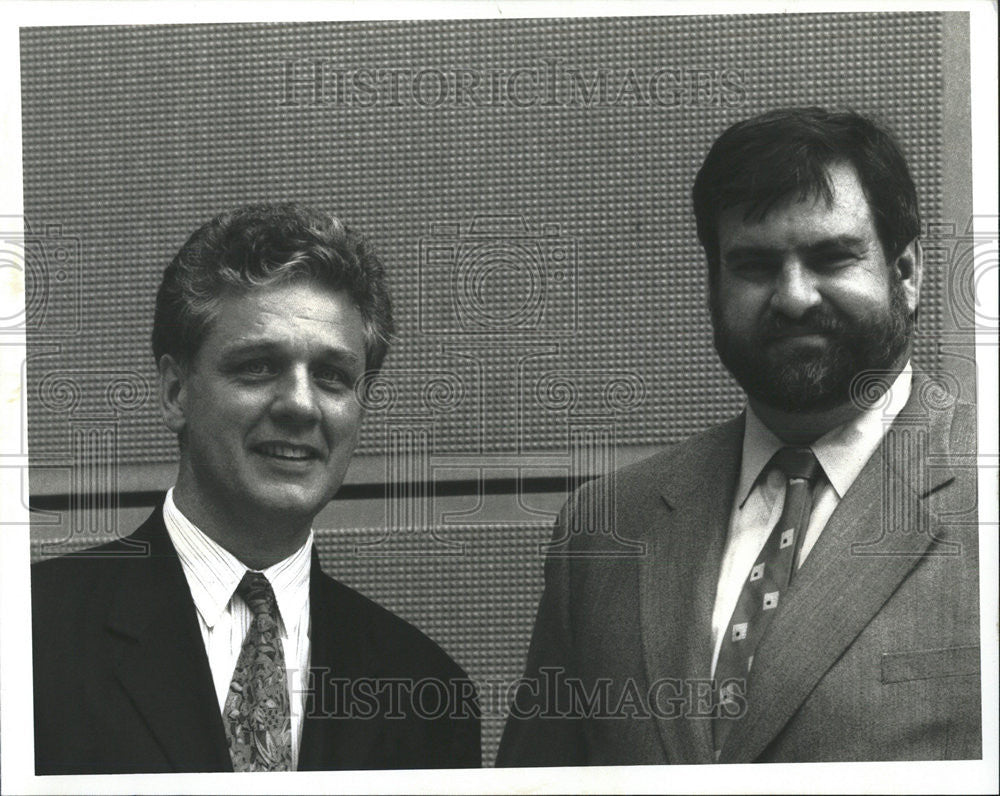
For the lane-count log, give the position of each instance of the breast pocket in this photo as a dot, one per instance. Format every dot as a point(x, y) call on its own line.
point(898, 667)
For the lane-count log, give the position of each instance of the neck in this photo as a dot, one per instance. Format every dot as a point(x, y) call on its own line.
point(258, 541)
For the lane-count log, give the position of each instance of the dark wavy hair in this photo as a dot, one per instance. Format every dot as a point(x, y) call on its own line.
point(261, 245)
point(784, 154)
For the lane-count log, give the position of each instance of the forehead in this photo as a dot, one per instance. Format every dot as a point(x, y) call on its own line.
point(799, 222)
point(300, 313)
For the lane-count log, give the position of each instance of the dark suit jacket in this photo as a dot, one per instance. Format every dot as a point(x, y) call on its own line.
point(872, 655)
point(122, 682)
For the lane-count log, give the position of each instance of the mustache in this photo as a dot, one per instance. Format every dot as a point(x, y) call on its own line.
point(816, 320)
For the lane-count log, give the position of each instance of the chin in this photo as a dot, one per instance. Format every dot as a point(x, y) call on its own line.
point(803, 403)
point(292, 503)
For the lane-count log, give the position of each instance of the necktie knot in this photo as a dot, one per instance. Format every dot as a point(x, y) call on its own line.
point(797, 462)
point(256, 591)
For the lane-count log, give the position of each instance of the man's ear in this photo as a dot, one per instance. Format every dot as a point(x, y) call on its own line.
point(173, 393)
point(909, 270)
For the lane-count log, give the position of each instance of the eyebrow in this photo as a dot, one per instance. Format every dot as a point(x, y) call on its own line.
point(851, 242)
point(250, 347)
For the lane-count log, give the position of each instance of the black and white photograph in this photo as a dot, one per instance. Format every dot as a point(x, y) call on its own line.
point(493, 398)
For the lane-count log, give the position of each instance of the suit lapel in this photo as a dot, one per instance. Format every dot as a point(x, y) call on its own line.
point(879, 531)
point(160, 656)
point(686, 532)
point(331, 741)
point(318, 736)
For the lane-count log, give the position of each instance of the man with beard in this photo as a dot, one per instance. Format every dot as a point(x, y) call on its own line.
point(808, 589)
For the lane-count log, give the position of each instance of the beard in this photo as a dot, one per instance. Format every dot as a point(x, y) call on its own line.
point(814, 378)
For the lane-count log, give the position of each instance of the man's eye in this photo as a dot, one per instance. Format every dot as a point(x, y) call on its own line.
point(833, 260)
point(752, 265)
point(256, 368)
point(331, 376)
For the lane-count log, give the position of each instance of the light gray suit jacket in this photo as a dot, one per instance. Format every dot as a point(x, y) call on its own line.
point(873, 654)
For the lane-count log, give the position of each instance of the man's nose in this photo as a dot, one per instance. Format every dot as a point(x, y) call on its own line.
point(296, 398)
point(795, 289)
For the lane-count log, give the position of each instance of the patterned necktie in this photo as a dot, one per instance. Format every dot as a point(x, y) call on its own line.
point(256, 714)
point(762, 591)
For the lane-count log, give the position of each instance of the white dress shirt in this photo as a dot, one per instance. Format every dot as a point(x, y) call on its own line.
point(842, 454)
point(213, 573)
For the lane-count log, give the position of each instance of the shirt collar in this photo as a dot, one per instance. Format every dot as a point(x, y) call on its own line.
point(213, 573)
point(842, 452)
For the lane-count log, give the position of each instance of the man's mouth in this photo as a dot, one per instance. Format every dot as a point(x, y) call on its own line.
point(814, 326)
point(797, 331)
point(800, 334)
point(286, 451)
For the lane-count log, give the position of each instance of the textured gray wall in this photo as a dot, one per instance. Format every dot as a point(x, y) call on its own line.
point(589, 343)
